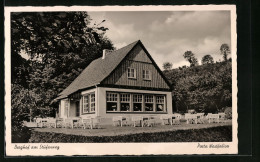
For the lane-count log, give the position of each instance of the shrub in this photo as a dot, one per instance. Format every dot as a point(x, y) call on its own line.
point(228, 112)
point(20, 134)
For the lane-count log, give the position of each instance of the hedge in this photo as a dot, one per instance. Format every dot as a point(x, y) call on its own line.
point(215, 134)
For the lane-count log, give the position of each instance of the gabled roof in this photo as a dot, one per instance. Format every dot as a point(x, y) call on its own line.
point(97, 71)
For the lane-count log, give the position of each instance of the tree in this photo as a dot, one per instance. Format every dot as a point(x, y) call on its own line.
point(225, 50)
point(59, 46)
point(207, 59)
point(189, 56)
point(167, 66)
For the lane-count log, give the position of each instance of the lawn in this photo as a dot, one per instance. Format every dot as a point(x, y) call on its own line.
point(214, 132)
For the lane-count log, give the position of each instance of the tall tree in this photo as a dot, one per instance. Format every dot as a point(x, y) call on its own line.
point(189, 56)
point(207, 59)
point(58, 46)
point(167, 66)
point(225, 50)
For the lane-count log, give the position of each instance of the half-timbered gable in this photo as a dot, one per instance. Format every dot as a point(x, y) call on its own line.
point(146, 75)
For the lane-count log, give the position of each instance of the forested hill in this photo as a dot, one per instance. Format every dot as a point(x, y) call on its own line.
point(206, 88)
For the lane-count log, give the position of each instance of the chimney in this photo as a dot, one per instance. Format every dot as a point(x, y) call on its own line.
point(106, 52)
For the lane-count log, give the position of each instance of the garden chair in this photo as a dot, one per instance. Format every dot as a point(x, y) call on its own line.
point(87, 123)
point(96, 122)
point(119, 120)
point(167, 118)
point(38, 122)
point(52, 123)
point(176, 119)
point(60, 123)
point(191, 118)
point(68, 123)
point(137, 119)
point(45, 122)
point(222, 117)
point(200, 118)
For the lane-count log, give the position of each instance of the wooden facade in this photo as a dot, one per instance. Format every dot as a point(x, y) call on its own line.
point(138, 60)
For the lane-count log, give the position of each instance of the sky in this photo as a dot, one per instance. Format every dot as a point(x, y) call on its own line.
point(168, 34)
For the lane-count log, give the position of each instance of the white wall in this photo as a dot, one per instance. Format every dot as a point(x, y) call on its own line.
point(62, 108)
point(72, 109)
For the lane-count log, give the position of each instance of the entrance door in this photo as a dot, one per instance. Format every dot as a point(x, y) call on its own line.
point(77, 108)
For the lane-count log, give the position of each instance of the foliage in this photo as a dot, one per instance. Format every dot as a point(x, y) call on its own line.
point(225, 50)
point(207, 59)
point(167, 66)
point(189, 56)
point(206, 88)
point(58, 46)
point(228, 112)
point(216, 134)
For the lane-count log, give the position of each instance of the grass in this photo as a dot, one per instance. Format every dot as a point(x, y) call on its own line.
point(214, 134)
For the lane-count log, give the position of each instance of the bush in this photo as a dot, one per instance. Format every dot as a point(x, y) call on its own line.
point(228, 112)
point(20, 134)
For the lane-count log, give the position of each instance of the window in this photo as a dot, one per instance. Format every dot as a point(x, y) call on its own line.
point(148, 99)
point(159, 103)
point(147, 75)
point(92, 102)
point(111, 101)
point(137, 102)
point(125, 102)
point(86, 104)
point(131, 73)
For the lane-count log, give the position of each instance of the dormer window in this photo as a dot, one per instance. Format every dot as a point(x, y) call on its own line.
point(147, 75)
point(131, 73)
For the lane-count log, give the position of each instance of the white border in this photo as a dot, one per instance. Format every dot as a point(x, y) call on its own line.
point(121, 148)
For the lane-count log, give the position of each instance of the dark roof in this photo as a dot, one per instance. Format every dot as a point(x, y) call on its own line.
point(97, 71)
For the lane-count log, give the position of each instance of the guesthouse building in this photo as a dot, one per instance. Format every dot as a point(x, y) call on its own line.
point(125, 82)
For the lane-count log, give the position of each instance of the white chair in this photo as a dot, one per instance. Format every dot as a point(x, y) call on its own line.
point(191, 118)
point(167, 118)
point(60, 123)
point(39, 122)
point(119, 120)
point(176, 119)
point(68, 123)
point(52, 123)
point(44, 122)
point(222, 117)
point(96, 122)
point(87, 122)
point(136, 120)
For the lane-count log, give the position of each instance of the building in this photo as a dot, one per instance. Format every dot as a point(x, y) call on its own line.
point(126, 81)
